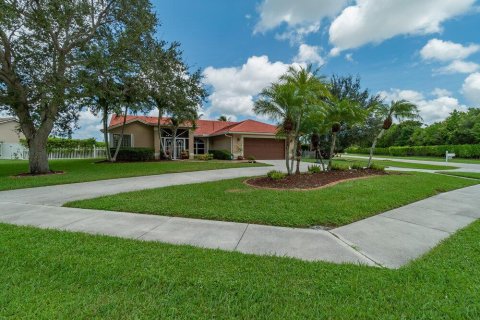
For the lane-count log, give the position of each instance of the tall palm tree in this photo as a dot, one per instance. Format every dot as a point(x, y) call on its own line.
point(222, 118)
point(338, 112)
point(400, 110)
point(312, 90)
point(281, 103)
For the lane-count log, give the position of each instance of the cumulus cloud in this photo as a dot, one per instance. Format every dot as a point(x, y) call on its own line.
point(371, 21)
point(471, 88)
point(234, 89)
point(459, 66)
point(431, 110)
point(90, 126)
point(441, 50)
point(302, 16)
point(309, 54)
point(438, 92)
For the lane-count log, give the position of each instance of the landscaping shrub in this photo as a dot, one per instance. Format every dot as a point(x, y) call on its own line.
point(204, 157)
point(314, 169)
point(339, 167)
point(221, 154)
point(276, 175)
point(357, 166)
point(378, 167)
point(134, 154)
point(461, 151)
point(71, 144)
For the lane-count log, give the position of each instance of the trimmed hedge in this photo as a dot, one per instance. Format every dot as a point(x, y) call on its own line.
point(221, 154)
point(134, 154)
point(461, 151)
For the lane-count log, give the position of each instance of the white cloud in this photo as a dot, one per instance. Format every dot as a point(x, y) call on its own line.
point(459, 66)
point(349, 57)
point(441, 50)
point(471, 88)
point(90, 126)
point(301, 16)
point(432, 110)
point(309, 54)
point(372, 21)
point(438, 92)
point(235, 88)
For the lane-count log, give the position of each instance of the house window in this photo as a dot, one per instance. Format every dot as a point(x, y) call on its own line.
point(126, 141)
point(199, 146)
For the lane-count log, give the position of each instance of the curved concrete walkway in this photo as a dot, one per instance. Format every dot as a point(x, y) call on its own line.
point(390, 239)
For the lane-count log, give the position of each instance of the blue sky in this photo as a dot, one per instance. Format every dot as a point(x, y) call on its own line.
point(426, 51)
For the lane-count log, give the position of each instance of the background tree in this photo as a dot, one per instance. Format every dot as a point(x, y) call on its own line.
point(341, 111)
point(399, 110)
point(223, 118)
point(41, 43)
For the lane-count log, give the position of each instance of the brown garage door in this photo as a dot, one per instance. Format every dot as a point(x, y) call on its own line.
point(264, 149)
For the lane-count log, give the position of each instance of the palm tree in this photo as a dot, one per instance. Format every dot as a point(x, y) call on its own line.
point(223, 118)
point(400, 110)
point(338, 112)
point(312, 90)
point(280, 103)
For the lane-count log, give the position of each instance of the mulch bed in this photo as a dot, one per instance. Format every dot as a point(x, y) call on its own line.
point(308, 181)
point(26, 174)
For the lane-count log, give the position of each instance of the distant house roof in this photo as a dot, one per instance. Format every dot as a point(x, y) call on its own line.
point(204, 127)
point(8, 119)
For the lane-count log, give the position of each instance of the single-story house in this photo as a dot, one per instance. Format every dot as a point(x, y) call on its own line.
point(243, 139)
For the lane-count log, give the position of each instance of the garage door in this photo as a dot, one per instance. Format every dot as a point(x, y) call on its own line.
point(264, 149)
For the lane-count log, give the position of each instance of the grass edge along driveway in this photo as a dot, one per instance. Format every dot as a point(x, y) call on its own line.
point(232, 200)
point(86, 170)
point(51, 274)
point(387, 163)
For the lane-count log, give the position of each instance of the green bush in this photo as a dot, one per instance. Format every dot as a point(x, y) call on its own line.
point(461, 151)
point(276, 175)
point(357, 166)
point(133, 154)
point(221, 154)
point(204, 157)
point(378, 167)
point(314, 169)
point(339, 167)
point(60, 143)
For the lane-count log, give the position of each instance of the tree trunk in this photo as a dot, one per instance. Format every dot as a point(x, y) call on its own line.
point(295, 142)
point(287, 156)
point(38, 154)
point(162, 146)
point(332, 150)
point(174, 143)
point(119, 144)
point(372, 149)
point(319, 151)
point(105, 132)
point(299, 157)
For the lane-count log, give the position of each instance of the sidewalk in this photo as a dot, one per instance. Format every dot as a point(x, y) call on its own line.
point(391, 239)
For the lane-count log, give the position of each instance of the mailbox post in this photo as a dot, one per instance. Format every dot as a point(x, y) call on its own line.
point(449, 156)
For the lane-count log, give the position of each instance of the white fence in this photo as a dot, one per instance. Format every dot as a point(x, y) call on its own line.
point(18, 151)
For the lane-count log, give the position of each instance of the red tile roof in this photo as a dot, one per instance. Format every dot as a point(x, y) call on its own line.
point(206, 127)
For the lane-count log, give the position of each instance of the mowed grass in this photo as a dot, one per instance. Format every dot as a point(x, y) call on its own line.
point(232, 200)
point(48, 274)
point(437, 159)
point(386, 163)
point(89, 170)
point(471, 175)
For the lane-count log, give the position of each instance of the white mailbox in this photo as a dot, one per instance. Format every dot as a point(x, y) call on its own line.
point(449, 156)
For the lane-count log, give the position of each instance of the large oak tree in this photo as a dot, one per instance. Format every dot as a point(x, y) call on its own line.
point(42, 50)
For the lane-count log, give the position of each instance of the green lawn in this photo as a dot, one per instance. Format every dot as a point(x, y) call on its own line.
point(88, 170)
point(51, 274)
point(232, 200)
point(472, 175)
point(438, 159)
point(386, 163)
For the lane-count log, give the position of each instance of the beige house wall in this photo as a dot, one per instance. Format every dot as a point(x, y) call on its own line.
point(9, 132)
point(142, 135)
point(220, 143)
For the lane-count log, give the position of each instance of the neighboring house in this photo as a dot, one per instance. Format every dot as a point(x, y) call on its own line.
point(10, 136)
point(245, 138)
